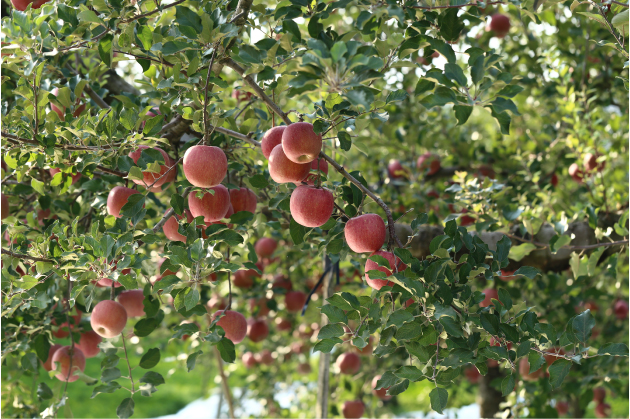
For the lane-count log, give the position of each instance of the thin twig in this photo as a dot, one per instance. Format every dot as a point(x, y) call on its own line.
point(206, 134)
point(224, 383)
point(133, 388)
point(25, 257)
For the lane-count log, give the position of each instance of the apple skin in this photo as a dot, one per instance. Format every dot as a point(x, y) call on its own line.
point(576, 173)
point(395, 170)
point(382, 393)
point(294, 301)
point(562, 408)
point(79, 109)
point(257, 330)
point(265, 247)
point(205, 166)
point(370, 265)
point(243, 199)
point(150, 178)
point(472, 374)
point(171, 226)
point(171, 175)
point(602, 410)
point(353, 409)
point(348, 363)
point(48, 364)
point(133, 302)
point(117, 198)
point(245, 278)
point(64, 356)
point(490, 293)
point(300, 143)
point(271, 139)
point(280, 281)
point(106, 282)
point(599, 394)
point(283, 170)
point(311, 206)
point(283, 324)
point(365, 233)
point(249, 360)
point(554, 180)
point(590, 163)
point(428, 163)
point(109, 318)
point(233, 323)
point(89, 344)
point(21, 5)
point(211, 207)
point(621, 309)
point(53, 171)
point(499, 24)
point(5, 209)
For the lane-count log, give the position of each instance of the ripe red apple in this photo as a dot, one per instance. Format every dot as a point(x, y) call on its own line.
point(211, 207)
point(621, 309)
point(554, 180)
point(245, 278)
point(48, 364)
point(353, 409)
point(590, 163)
point(487, 171)
point(311, 206)
point(365, 233)
point(62, 359)
point(599, 394)
point(117, 198)
point(106, 282)
point(499, 24)
point(294, 301)
point(396, 170)
point(257, 330)
point(576, 173)
point(507, 276)
point(472, 374)
point(259, 304)
point(490, 293)
point(265, 247)
point(264, 357)
point(89, 344)
point(205, 166)
point(53, 171)
point(171, 175)
point(282, 324)
point(61, 112)
point(428, 163)
point(394, 263)
point(21, 5)
point(280, 281)
point(133, 301)
point(523, 369)
point(283, 170)
point(562, 407)
point(5, 209)
point(171, 226)
point(348, 363)
point(149, 177)
point(603, 410)
point(314, 175)
point(233, 323)
point(243, 199)
point(300, 143)
point(271, 139)
point(109, 318)
point(382, 393)
point(249, 360)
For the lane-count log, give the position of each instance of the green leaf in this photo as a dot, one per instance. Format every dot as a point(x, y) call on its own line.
point(454, 72)
point(527, 271)
point(105, 49)
point(614, 349)
point(398, 388)
point(330, 331)
point(192, 360)
point(226, 349)
point(409, 331)
point(125, 409)
point(451, 326)
point(507, 384)
point(297, 232)
point(150, 359)
point(44, 392)
point(335, 314)
point(450, 28)
point(178, 203)
point(504, 297)
point(398, 317)
point(397, 95)
point(145, 327)
point(326, 345)
point(490, 323)
point(462, 113)
point(558, 371)
point(438, 396)
point(583, 325)
point(387, 380)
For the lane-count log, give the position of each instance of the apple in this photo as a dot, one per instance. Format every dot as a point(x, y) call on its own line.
point(21, 5)
point(282, 324)
point(264, 357)
point(394, 263)
point(353, 409)
point(396, 170)
point(259, 304)
point(562, 407)
point(599, 394)
point(53, 171)
point(243, 199)
point(602, 410)
point(64, 357)
point(205, 166)
point(499, 24)
point(348, 363)
point(233, 323)
point(249, 360)
point(590, 163)
point(88, 343)
point(472, 374)
point(621, 309)
point(109, 318)
point(365, 233)
point(523, 369)
point(294, 301)
point(311, 206)
point(61, 112)
point(171, 175)
point(171, 226)
point(381, 393)
point(265, 247)
point(271, 139)
point(300, 143)
point(316, 165)
point(241, 95)
point(281, 281)
point(133, 302)
point(117, 198)
point(283, 170)
point(212, 277)
point(490, 293)
point(554, 180)
point(106, 282)
point(257, 330)
point(299, 348)
point(304, 368)
point(149, 178)
point(48, 364)
point(576, 173)
point(507, 275)
point(211, 207)
point(5, 209)
point(245, 278)
point(428, 163)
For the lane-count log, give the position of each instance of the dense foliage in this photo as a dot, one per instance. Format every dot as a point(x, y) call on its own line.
point(491, 139)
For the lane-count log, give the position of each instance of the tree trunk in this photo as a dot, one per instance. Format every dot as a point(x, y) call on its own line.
point(488, 397)
point(323, 379)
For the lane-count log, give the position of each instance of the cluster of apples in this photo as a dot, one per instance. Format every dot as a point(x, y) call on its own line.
point(590, 164)
point(428, 164)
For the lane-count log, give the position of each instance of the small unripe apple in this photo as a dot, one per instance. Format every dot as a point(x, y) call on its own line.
point(283, 170)
point(89, 344)
point(171, 226)
point(265, 247)
point(117, 198)
point(271, 139)
point(382, 393)
point(490, 293)
point(249, 360)
point(428, 163)
point(233, 323)
point(300, 143)
point(243, 199)
point(48, 364)
point(294, 301)
point(150, 178)
point(53, 171)
point(499, 24)
point(133, 301)
point(62, 359)
point(311, 206)
point(395, 265)
point(353, 409)
point(395, 170)
point(621, 309)
point(108, 318)
point(205, 166)
point(5, 209)
point(78, 109)
point(599, 394)
point(365, 233)
point(348, 363)
point(211, 207)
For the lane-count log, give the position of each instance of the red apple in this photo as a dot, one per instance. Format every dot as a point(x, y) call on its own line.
point(554, 180)
point(562, 408)
point(265, 247)
point(249, 360)
point(64, 357)
point(621, 309)
point(304, 368)
point(590, 163)
point(300, 143)
point(365, 233)
point(310, 206)
point(259, 304)
point(109, 318)
point(280, 281)
point(490, 293)
point(5, 209)
point(348, 363)
point(294, 301)
point(499, 24)
point(602, 410)
point(243, 199)
point(245, 278)
point(394, 263)
point(133, 301)
point(48, 364)
point(171, 226)
point(550, 358)
point(264, 357)
point(205, 166)
point(55, 91)
point(257, 330)
point(271, 139)
point(233, 323)
point(428, 163)
point(312, 177)
point(353, 409)
point(150, 178)
point(21, 5)
point(599, 394)
point(106, 282)
point(117, 198)
point(507, 276)
point(241, 95)
point(396, 170)
point(53, 171)
point(282, 324)
point(89, 344)
point(472, 374)
point(382, 393)
point(299, 348)
point(283, 170)
point(576, 173)
point(211, 207)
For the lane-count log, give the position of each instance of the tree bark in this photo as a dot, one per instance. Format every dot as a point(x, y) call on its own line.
point(488, 397)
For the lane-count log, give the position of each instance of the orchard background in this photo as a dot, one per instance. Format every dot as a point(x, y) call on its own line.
point(488, 141)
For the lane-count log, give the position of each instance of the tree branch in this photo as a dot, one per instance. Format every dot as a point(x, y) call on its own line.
point(17, 140)
point(25, 257)
point(224, 383)
point(453, 7)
